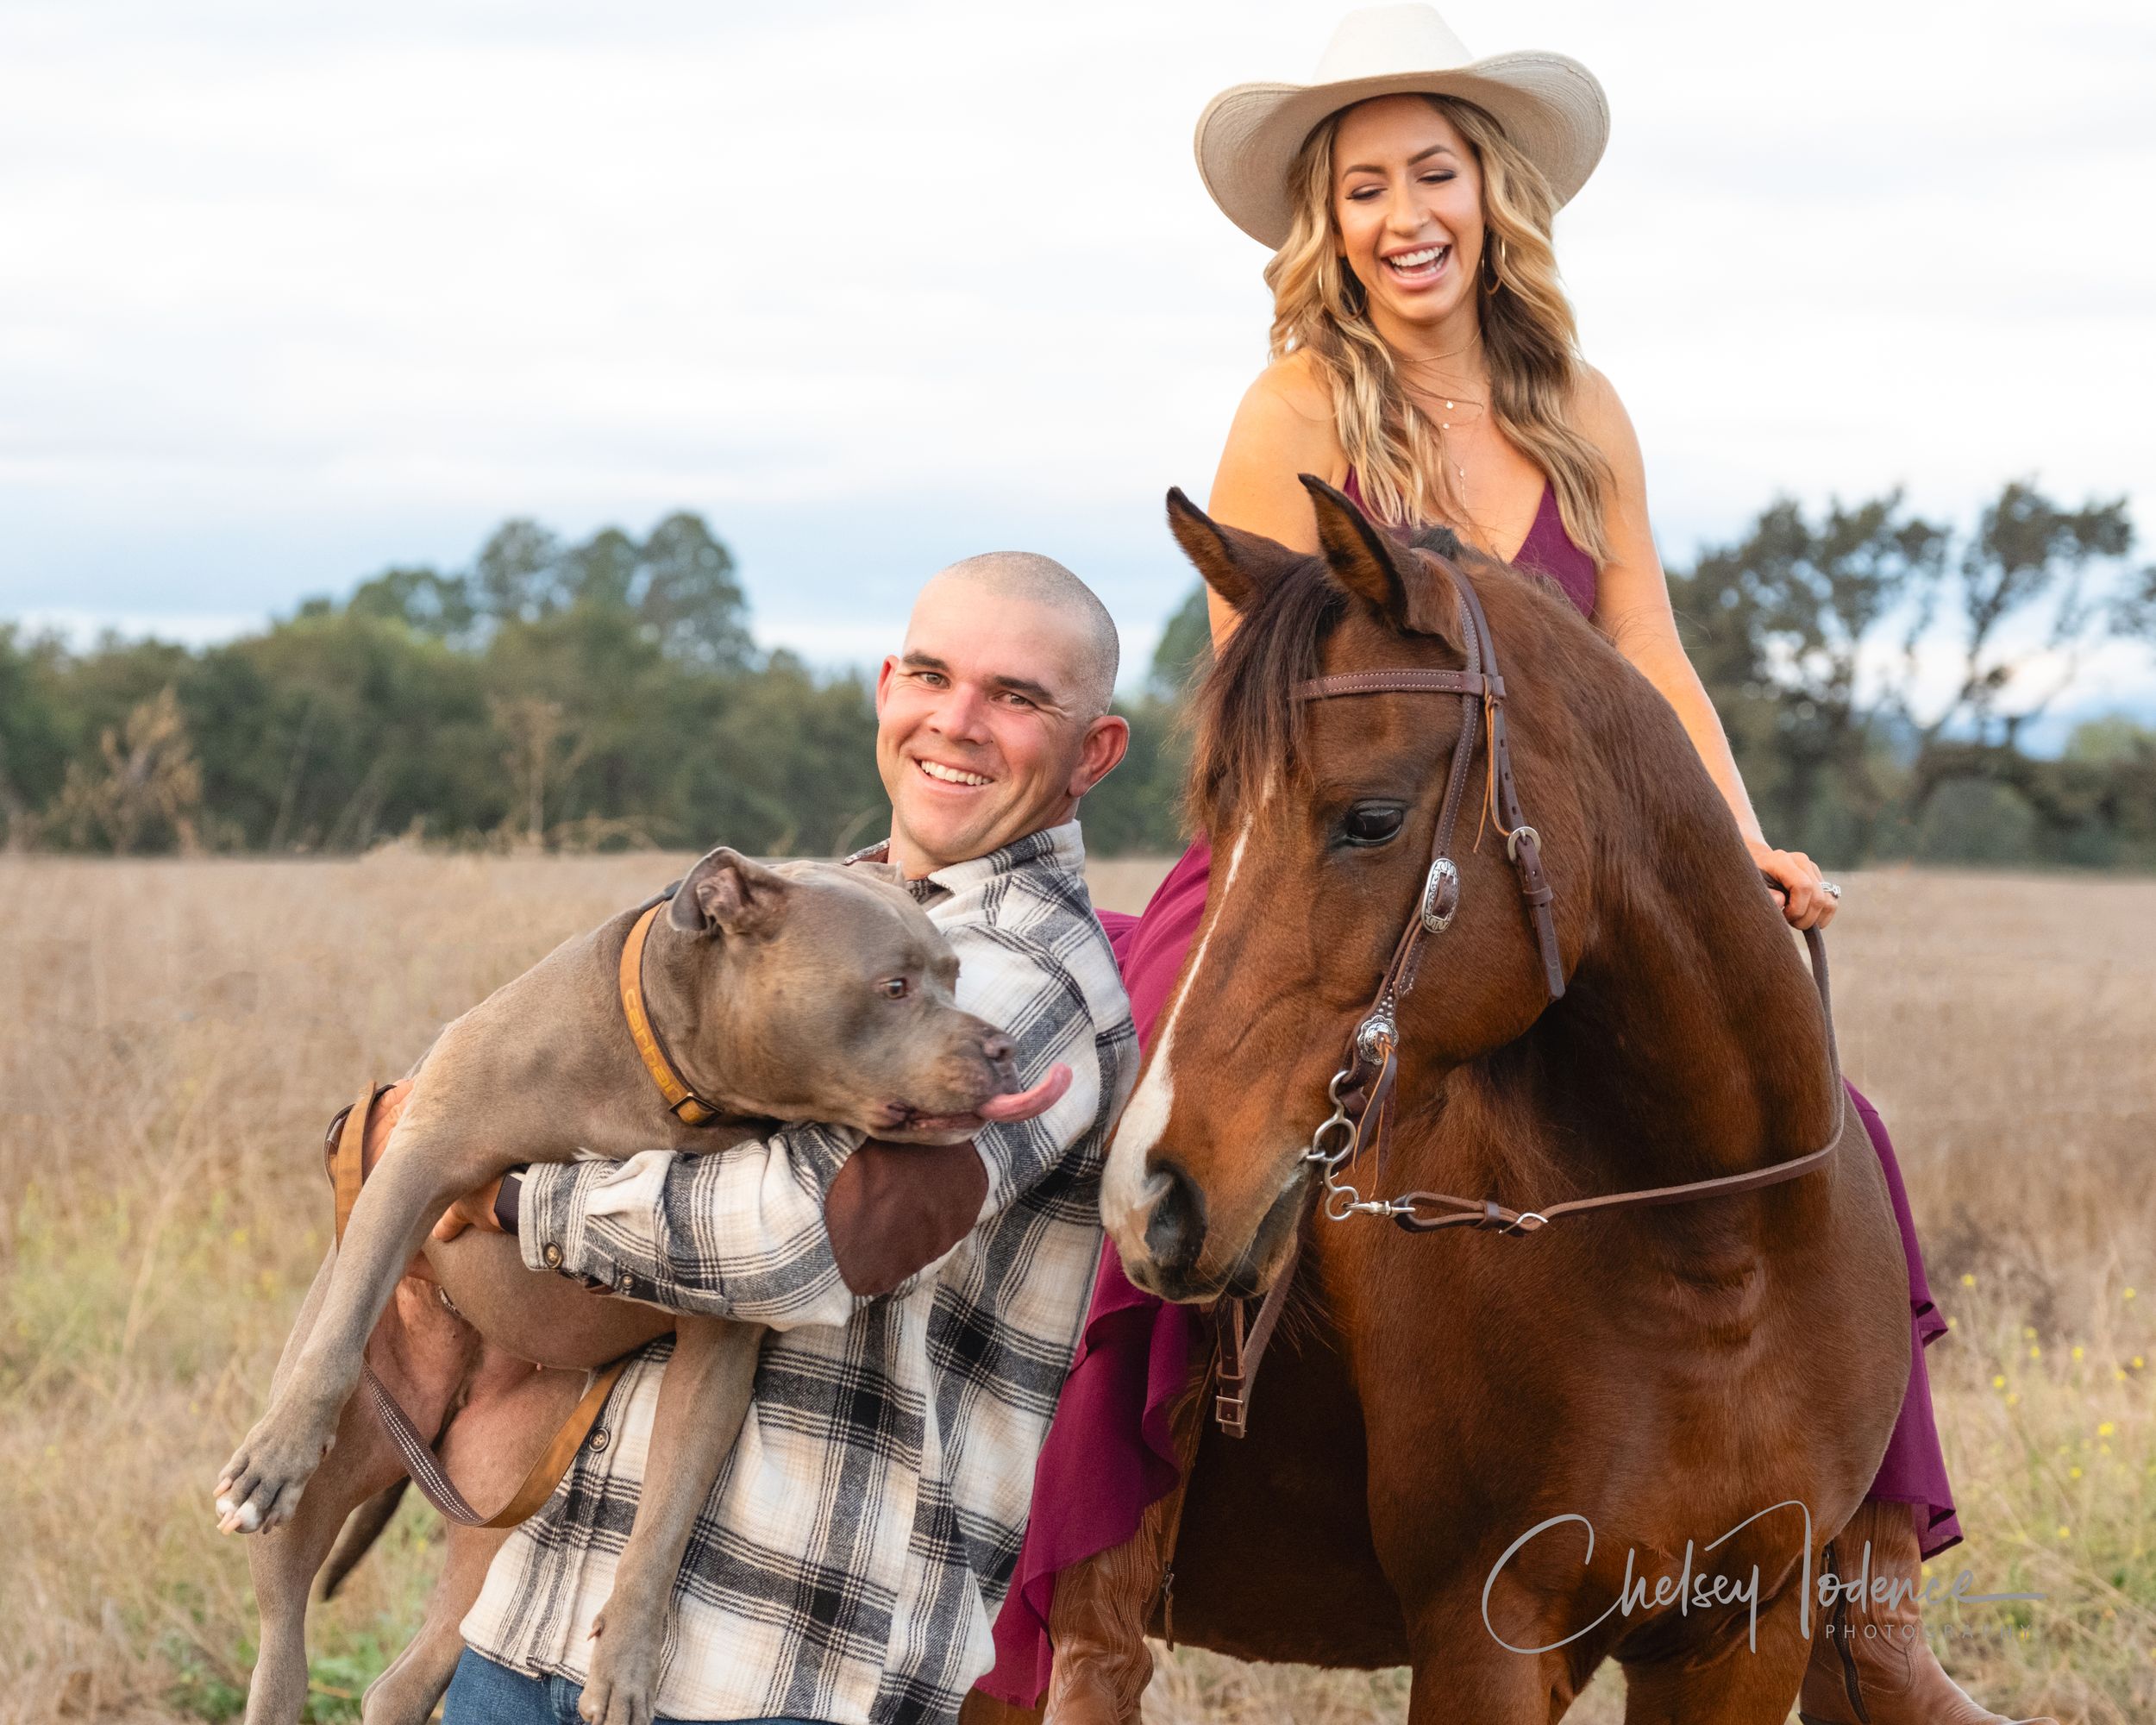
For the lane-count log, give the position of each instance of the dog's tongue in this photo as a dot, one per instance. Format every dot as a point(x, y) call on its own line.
point(1022, 1105)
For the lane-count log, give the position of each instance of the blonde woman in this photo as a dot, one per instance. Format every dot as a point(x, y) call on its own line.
point(1424, 361)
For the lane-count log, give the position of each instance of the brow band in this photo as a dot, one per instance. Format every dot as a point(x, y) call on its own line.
point(1401, 682)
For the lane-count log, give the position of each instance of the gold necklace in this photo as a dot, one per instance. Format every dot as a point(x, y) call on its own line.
point(1444, 447)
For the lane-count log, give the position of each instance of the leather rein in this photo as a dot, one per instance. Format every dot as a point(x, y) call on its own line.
point(1362, 1091)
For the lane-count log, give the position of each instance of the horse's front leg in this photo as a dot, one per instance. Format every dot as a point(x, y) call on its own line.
point(1464, 1675)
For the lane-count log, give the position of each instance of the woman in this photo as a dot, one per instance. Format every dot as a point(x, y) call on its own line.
point(1424, 361)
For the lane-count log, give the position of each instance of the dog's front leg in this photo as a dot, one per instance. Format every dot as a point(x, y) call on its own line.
point(703, 1403)
point(423, 1168)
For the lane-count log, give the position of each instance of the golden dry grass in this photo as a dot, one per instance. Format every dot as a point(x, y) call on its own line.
point(178, 1034)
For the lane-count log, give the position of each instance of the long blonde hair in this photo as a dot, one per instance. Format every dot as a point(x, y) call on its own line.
point(1529, 337)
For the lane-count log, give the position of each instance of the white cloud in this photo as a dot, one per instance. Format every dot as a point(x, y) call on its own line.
point(292, 293)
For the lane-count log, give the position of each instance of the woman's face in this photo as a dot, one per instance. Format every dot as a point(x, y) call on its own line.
point(1407, 201)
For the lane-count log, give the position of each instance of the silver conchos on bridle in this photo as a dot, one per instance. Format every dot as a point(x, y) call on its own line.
point(1440, 895)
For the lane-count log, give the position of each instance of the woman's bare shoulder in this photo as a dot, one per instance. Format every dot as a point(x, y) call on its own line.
point(1283, 428)
point(1294, 384)
point(1598, 414)
point(1284, 422)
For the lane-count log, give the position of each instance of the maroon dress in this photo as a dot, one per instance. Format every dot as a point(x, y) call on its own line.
point(1109, 1452)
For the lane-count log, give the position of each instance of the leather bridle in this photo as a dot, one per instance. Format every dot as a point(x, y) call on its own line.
point(1361, 1092)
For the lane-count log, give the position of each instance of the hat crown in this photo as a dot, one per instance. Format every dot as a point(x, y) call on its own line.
point(1380, 41)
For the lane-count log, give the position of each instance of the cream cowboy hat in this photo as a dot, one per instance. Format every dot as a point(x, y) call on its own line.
point(1549, 105)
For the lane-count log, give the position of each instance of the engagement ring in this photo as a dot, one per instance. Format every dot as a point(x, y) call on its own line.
point(1830, 889)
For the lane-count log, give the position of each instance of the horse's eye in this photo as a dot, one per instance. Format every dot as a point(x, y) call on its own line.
point(895, 987)
point(1372, 823)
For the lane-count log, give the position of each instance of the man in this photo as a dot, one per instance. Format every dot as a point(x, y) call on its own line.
point(850, 1559)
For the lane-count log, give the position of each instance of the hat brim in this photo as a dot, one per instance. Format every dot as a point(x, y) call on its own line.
point(1550, 105)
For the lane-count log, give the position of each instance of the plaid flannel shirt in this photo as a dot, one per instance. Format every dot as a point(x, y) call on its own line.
point(865, 1528)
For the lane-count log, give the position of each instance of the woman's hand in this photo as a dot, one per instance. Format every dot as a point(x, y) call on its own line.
point(1805, 900)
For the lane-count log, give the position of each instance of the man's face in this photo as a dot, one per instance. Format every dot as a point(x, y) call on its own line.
point(982, 730)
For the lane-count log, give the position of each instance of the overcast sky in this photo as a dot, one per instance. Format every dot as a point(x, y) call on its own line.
point(289, 293)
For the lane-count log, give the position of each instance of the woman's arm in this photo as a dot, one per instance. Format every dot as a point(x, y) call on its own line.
point(1282, 429)
point(1631, 604)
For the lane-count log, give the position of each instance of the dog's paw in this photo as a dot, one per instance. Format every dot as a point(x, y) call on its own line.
point(624, 1685)
point(259, 1487)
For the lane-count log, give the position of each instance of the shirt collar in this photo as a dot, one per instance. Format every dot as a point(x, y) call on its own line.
point(1060, 848)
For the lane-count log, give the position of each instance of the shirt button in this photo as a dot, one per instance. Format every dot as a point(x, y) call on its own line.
point(597, 1441)
point(551, 1255)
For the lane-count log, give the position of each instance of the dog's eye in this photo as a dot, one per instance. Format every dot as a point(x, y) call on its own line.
point(895, 987)
point(1372, 823)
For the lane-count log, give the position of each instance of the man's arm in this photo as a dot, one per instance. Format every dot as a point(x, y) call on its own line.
point(809, 1225)
point(738, 1233)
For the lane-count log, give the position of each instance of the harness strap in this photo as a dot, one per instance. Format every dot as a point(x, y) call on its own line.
point(691, 1109)
point(538, 1484)
point(1521, 841)
point(346, 1147)
point(1241, 1349)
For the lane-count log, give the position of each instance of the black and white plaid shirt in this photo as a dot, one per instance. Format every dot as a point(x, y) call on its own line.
point(864, 1531)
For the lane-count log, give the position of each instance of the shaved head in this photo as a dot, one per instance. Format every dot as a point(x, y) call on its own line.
point(1026, 575)
point(992, 719)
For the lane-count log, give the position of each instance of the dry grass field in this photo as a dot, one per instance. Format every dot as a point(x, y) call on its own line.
point(178, 1034)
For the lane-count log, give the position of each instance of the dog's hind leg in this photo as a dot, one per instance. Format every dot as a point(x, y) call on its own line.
point(283, 1563)
point(424, 1355)
point(405, 1693)
point(508, 1417)
point(702, 1401)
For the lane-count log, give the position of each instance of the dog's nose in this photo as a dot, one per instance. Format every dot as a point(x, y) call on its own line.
point(997, 1049)
point(1175, 1232)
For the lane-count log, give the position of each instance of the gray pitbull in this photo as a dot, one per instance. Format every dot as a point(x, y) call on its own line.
point(808, 991)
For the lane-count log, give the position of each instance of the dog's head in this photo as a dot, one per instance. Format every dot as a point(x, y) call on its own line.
point(834, 993)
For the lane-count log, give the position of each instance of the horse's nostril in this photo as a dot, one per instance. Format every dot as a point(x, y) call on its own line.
point(1176, 1230)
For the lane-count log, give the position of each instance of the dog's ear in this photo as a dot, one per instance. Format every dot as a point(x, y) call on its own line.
point(730, 893)
point(1238, 565)
point(1369, 563)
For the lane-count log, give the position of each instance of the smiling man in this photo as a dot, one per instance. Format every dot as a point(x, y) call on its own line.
point(850, 1559)
point(993, 720)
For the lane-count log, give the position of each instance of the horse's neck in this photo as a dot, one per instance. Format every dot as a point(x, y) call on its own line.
point(1690, 1040)
point(1692, 1050)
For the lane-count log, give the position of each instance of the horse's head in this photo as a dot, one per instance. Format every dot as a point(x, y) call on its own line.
point(1322, 817)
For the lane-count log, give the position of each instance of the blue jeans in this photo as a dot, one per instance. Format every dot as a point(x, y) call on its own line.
point(483, 1693)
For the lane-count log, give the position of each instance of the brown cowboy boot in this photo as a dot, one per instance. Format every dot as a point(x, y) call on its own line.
point(1096, 1623)
point(1893, 1664)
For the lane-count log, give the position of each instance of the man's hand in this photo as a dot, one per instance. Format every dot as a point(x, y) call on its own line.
point(472, 1210)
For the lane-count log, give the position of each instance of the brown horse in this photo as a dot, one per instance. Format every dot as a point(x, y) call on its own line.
point(1503, 1458)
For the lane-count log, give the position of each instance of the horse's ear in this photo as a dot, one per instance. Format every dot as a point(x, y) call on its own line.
point(1377, 568)
point(1238, 565)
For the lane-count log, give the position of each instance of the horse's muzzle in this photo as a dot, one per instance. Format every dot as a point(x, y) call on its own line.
point(1171, 1262)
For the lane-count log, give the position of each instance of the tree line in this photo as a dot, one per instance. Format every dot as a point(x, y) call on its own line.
point(610, 693)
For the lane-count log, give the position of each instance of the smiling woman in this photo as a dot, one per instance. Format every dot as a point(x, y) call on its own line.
point(1347, 270)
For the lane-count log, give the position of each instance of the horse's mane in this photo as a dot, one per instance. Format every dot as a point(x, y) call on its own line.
point(1248, 726)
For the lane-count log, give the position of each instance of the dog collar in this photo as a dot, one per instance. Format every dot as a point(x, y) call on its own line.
point(691, 1109)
